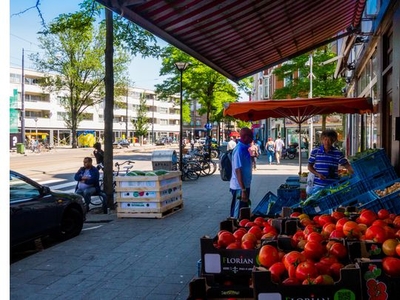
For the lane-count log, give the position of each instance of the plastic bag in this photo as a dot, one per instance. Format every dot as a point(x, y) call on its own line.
point(310, 183)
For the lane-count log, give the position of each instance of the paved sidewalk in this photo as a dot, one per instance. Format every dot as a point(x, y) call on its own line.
point(138, 258)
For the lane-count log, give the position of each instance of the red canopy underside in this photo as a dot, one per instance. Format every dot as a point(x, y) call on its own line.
point(297, 110)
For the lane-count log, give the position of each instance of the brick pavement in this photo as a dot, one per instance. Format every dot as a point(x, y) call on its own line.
point(138, 258)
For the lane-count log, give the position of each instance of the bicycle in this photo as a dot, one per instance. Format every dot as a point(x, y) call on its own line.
point(102, 197)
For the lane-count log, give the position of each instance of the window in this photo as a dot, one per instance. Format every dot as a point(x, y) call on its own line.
point(288, 79)
point(163, 110)
point(15, 78)
point(163, 122)
point(20, 190)
point(267, 88)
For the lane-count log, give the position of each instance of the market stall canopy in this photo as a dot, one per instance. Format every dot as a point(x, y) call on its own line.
point(235, 134)
point(239, 38)
point(298, 110)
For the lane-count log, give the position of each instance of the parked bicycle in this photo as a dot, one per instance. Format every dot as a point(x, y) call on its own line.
point(101, 199)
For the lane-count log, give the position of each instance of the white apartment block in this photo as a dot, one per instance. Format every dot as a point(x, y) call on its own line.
point(44, 114)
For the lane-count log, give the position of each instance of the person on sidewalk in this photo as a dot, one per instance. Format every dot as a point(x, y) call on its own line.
point(241, 173)
point(279, 144)
point(99, 155)
point(254, 153)
point(270, 148)
point(324, 161)
point(87, 179)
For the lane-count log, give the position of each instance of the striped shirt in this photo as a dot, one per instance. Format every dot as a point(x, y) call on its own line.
point(327, 164)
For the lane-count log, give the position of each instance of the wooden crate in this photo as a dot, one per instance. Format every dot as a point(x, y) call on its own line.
point(149, 196)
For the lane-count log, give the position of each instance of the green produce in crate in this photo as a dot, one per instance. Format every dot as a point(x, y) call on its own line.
point(132, 173)
point(161, 172)
point(360, 155)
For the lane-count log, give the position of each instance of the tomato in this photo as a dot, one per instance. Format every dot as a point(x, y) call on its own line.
point(391, 266)
point(389, 247)
point(239, 233)
point(390, 232)
point(367, 217)
point(315, 236)
point(398, 249)
point(376, 233)
point(324, 279)
point(339, 224)
point(259, 221)
point(383, 214)
point(269, 229)
point(335, 270)
point(248, 244)
point(351, 229)
point(379, 222)
point(337, 234)
point(268, 255)
point(396, 222)
point(256, 230)
point(322, 268)
point(249, 224)
point(248, 236)
point(293, 258)
point(324, 219)
point(337, 215)
point(295, 214)
point(306, 270)
point(225, 238)
point(338, 250)
point(296, 238)
point(310, 228)
point(327, 229)
point(314, 250)
point(278, 271)
point(243, 222)
point(291, 281)
point(234, 245)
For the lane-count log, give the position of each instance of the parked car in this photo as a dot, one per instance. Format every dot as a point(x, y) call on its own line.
point(121, 144)
point(37, 211)
point(161, 141)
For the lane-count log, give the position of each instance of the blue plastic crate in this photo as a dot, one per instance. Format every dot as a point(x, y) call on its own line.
point(287, 194)
point(374, 205)
point(361, 199)
point(266, 202)
point(379, 179)
point(325, 203)
point(392, 201)
point(352, 190)
point(276, 208)
point(371, 164)
point(293, 181)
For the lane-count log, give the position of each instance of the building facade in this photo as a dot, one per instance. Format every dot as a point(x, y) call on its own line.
point(44, 114)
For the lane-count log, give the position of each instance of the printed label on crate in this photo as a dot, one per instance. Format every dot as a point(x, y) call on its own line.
point(169, 191)
point(125, 184)
point(269, 296)
point(217, 263)
point(169, 181)
point(138, 205)
point(169, 201)
point(139, 194)
point(340, 294)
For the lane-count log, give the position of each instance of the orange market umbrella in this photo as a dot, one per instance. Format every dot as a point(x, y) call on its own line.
point(297, 110)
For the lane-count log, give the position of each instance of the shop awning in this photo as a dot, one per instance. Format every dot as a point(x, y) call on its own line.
point(239, 38)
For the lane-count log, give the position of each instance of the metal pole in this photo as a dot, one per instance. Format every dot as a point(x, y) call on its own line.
point(23, 100)
point(180, 126)
point(126, 119)
point(152, 121)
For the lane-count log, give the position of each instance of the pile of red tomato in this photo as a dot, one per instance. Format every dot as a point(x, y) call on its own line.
point(318, 246)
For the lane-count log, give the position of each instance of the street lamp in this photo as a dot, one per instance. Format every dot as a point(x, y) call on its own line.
point(181, 66)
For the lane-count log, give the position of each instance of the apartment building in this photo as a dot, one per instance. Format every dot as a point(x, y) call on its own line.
point(44, 114)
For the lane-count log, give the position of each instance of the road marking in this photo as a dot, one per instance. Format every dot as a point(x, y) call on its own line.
point(90, 228)
point(50, 181)
point(63, 185)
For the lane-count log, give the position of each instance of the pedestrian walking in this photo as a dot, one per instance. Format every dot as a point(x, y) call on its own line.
point(270, 148)
point(231, 144)
point(241, 173)
point(254, 153)
point(279, 144)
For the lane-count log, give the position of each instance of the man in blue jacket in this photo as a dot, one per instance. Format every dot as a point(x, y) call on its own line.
point(88, 180)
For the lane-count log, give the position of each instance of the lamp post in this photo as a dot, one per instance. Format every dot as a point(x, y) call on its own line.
point(181, 66)
point(36, 119)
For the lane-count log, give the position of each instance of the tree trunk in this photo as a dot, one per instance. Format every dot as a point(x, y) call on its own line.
point(108, 110)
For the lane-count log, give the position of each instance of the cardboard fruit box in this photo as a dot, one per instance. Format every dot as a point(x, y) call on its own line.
point(348, 287)
point(375, 283)
point(226, 261)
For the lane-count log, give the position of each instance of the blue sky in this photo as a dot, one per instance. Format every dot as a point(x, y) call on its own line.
point(23, 35)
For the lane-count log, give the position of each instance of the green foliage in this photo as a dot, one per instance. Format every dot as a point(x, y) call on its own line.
point(73, 60)
point(142, 121)
point(324, 84)
point(211, 89)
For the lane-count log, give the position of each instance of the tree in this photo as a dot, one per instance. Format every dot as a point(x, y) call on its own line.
point(200, 82)
point(73, 62)
point(142, 121)
point(296, 72)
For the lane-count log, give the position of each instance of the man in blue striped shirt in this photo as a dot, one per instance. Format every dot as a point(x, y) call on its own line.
point(324, 161)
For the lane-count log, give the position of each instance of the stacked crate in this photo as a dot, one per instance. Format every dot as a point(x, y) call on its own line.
point(148, 196)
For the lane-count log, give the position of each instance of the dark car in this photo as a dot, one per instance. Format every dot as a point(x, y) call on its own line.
point(121, 144)
point(36, 211)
